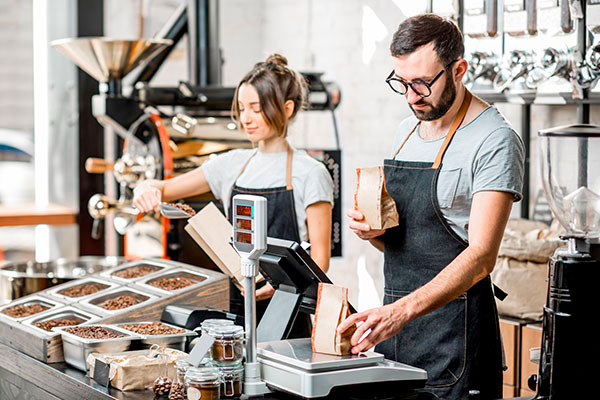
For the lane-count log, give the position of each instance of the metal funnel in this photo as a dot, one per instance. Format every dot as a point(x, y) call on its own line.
point(107, 59)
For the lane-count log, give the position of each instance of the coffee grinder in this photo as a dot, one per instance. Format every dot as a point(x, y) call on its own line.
point(570, 167)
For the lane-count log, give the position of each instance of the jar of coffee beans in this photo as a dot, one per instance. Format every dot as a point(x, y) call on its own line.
point(228, 347)
point(202, 383)
point(231, 378)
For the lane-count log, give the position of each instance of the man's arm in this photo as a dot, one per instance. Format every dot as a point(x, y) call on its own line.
point(489, 213)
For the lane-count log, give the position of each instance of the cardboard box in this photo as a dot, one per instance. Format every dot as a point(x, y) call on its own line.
point(510, 329)
point(509, 391)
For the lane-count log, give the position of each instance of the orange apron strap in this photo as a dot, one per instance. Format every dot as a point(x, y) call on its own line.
point(457, 121)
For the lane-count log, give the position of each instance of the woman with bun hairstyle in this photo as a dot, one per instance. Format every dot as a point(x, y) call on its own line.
point(298, 188)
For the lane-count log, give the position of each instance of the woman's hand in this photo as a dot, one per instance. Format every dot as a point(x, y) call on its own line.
point(147, 197)
point(360, 228)
point(265, 292)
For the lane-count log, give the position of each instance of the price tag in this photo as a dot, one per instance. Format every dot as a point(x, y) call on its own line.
point(200, 349)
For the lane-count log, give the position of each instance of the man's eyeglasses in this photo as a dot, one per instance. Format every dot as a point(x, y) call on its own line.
point(421, 88)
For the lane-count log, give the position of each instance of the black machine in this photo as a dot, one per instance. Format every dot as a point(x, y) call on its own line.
point(161, 130)
point(568, 350)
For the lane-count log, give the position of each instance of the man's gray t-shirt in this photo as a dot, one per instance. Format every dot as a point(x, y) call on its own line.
point(485, 154)
point(310, 179)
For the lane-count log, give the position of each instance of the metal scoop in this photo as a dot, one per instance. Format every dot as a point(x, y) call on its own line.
point(172, 212)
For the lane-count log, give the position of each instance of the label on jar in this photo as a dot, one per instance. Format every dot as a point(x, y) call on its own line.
point(193, 394)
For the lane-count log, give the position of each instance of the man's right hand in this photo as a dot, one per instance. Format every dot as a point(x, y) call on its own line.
point(362, 229)
point(147, 197)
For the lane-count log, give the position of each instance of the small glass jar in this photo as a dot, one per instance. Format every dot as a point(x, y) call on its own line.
point(178, 388)
point(232, 378)
point(228, 347)
point(202, 383)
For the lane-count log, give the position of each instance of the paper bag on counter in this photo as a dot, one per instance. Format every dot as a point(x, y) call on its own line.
point(372, 200)
point(332, 309)
point(135, 370)
point(211, 230)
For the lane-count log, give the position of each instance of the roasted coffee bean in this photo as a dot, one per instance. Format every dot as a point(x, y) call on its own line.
point(24, 310)
point(94, 332)
point(162, 386)
point(51, 323)
point(171, 283)
point(184, 207)
point(120, 302)
point(154, 328)
point(177, 392)
point(137, 271)
point(83, 289)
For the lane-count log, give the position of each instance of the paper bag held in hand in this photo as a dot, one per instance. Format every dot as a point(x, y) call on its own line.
point(332, 309)
point(372, 200)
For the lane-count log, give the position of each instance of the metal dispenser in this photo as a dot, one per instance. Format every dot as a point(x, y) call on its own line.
point(568, 352)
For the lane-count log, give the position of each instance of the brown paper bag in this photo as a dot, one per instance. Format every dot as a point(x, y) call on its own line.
point(332, 309)
point(135, 370)
point(372, 200)
point(212, 231)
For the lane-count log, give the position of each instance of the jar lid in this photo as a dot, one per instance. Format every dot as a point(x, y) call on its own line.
point(232, 370)
point(215, 322)
point(229, 331)
point(202, 374)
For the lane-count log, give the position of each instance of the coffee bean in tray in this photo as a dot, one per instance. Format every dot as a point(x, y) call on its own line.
point(94, 332)
point(154, 328)
point(51, 323)
point(24, 310)
point(171, 283)
point(83, 289)
point(136, 272)
point(120, 302)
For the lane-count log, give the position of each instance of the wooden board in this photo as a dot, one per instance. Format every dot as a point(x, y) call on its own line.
point(531, 337)
point(31, 215)
point(212, 292)
point(510, 331)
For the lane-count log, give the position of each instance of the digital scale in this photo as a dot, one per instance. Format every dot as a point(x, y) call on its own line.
point(290, 365)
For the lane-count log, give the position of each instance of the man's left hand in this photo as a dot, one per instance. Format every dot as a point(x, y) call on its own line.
point(379, 324)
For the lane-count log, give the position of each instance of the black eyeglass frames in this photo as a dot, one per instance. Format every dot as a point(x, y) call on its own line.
point(421, 88)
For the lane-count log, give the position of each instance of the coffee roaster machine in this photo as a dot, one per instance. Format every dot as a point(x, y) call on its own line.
point(166, 131)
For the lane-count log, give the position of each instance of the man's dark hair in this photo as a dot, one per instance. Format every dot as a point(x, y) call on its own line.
point(422, 29)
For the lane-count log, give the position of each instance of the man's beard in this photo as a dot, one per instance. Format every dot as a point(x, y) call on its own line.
point(436, 112)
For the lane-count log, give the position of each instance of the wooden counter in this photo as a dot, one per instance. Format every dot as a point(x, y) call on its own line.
point(29, 214)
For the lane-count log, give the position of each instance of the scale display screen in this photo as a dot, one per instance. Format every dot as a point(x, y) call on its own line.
point(243, 237)
point(243, 224)
point(245, 211)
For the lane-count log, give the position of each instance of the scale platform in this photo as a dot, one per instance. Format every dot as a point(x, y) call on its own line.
point(291, 366)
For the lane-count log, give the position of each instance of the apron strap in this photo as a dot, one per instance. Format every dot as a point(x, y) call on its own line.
point(288, 171)
point(453, 128)
point(457, 121)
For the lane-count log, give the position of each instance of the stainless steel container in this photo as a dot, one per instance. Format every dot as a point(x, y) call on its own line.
point(130, 272)
point(174, 340)
point(76, 349)
point(173, 274)
point(67, 312)
point(23, 278)
point(94, 303)
point(29, 301)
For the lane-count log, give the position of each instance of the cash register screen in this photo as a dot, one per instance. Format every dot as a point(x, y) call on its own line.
point(287, 266)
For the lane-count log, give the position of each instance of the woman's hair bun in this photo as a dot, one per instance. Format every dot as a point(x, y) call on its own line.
point(277, 59)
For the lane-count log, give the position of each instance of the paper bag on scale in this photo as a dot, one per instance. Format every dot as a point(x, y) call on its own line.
point(332, 309)
point(372, 200)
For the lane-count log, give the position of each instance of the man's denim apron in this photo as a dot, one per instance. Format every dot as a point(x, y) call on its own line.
point(458, 344)
point(281, 224)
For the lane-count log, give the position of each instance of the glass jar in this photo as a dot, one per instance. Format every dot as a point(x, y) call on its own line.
point(228, 347)
point(202, 383)
point(232, 378)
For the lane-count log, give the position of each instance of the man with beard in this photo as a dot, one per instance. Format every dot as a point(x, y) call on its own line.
point(456, 169)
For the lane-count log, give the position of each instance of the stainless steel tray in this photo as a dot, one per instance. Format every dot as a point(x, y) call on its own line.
point(173, 341)
point(54, 293)
point(92, 303)
point(187, 273)
point(34, 299)
point(68, 312)
point(76, 349)
point(161, 264)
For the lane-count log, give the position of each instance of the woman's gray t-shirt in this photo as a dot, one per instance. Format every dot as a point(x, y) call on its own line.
point(485, 154)
point(310, 179)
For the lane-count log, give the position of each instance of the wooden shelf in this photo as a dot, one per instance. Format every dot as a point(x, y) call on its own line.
point(29, 214)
